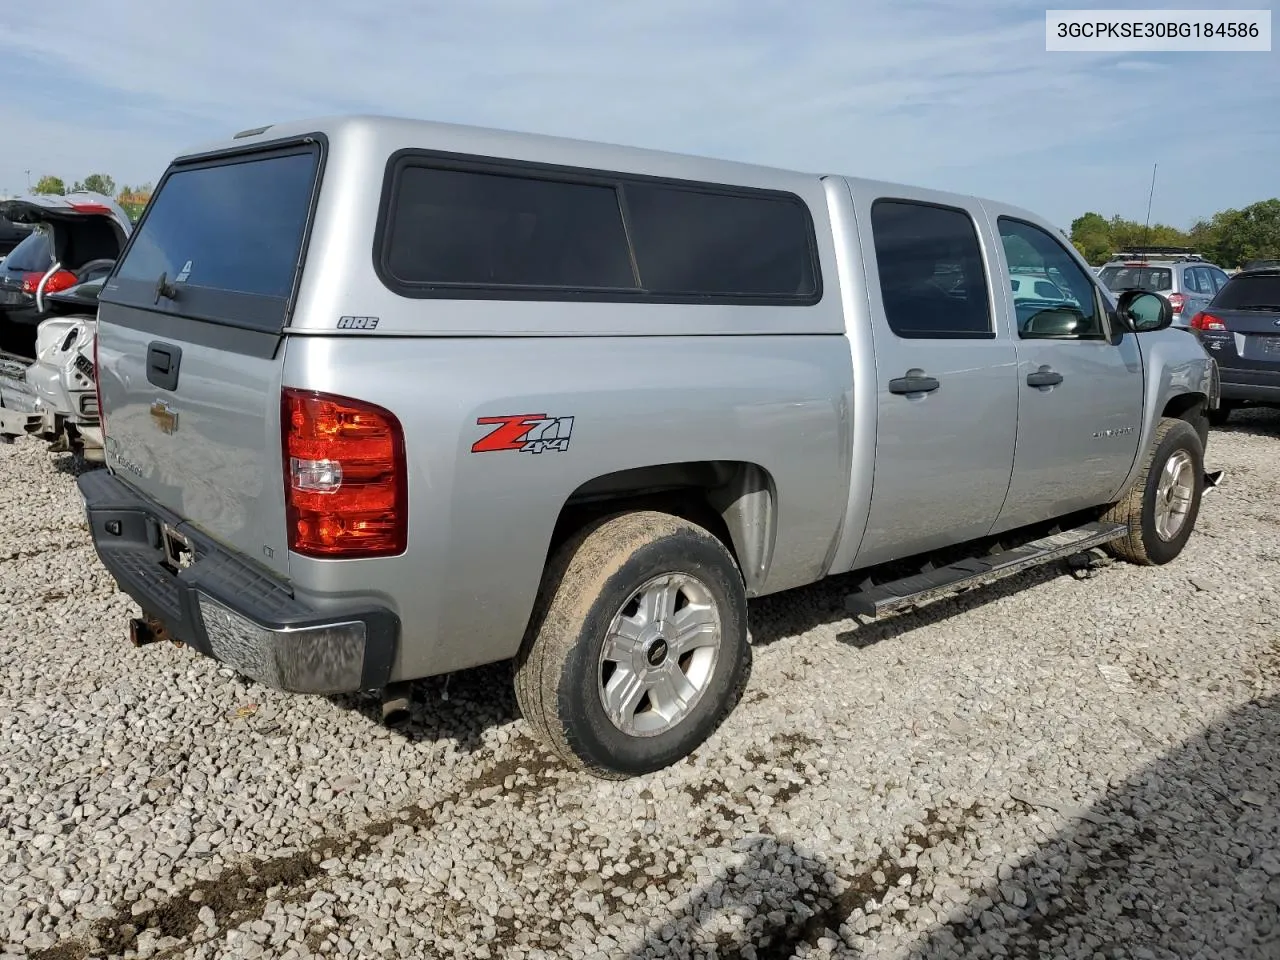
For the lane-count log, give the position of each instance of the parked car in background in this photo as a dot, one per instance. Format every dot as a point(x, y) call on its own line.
point(73, 239)
point(1186, 279)
point(1240, 329)
point(1262, 265)
point(55, 397)
point(11, 234)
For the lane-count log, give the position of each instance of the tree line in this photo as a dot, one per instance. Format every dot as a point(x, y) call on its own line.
point(1230, 238)
point(131, 199)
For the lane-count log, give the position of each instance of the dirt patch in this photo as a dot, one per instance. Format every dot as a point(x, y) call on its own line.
point(241, 892)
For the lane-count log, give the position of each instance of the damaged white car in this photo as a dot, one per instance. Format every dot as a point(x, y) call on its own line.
point(50, 282)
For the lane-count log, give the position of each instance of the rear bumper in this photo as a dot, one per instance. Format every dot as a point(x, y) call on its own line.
point(1242, 384)
point(229, 609)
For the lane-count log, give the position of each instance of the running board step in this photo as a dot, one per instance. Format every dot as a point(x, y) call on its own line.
point(944, 581)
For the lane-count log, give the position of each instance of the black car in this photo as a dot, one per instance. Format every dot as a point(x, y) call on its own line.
point(11, 234)
point(1241, 330)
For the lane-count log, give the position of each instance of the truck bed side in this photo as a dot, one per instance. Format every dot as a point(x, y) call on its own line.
point(481, 522)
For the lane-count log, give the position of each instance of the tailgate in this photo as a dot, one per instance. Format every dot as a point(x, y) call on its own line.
point(191, 346)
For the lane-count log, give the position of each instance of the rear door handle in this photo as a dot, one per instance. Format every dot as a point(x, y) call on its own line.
point(1044, 377)
point(914, 382)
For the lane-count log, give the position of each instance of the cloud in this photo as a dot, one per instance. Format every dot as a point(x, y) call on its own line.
point(952, 95)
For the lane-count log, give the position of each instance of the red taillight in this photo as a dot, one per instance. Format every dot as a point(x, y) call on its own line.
point(100, 208)
point(346, 486)
point(56, 282)
point(1177, 301)
point(1206, 321)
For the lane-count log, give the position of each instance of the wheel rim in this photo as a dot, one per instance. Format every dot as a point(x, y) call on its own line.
point(1174, 494)
point(659, 655)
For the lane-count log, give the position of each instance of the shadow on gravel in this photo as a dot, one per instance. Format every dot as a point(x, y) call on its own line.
point(1251, 421)
point(73, 465)
point(796, 611)
point(787, 886)
point(1182, 860)
point(460, 710)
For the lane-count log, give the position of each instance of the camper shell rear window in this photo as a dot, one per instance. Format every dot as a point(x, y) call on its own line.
point(223, 238)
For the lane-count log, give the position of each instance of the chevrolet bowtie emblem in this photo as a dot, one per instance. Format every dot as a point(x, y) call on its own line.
point(164, 418)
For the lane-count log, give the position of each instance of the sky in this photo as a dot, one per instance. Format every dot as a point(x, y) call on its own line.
point(952, 95)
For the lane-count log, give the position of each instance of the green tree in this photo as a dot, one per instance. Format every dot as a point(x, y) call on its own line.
point(1234, 237)
point(51, 184)
point(1091, 235)
point(96, 183)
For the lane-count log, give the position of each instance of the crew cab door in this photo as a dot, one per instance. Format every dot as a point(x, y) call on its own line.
point(946, 392)
point(1079, 381)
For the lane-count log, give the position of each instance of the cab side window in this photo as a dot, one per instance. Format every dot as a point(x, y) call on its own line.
point(932, 279)
point(1053, 297)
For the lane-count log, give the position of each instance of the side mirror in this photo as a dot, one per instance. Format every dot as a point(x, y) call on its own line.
point(1143, 311)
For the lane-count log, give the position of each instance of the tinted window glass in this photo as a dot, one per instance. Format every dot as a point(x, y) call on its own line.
point(708, 244)
point(1156, 279)
point(1219, 279)
point(1260, 292)
point(1191, 281)
point(931, 276)
point(32, 254)
point(461, 227)
point(1064, 308)
point(233, 227)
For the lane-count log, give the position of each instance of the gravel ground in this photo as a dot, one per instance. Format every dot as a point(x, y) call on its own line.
point(1049, 768)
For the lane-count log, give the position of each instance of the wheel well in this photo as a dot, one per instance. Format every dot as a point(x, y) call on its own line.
point(731, 499)
point(1190, 407)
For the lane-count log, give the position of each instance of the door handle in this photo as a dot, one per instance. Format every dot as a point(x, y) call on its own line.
point(1044, 377)
point(914, 382)
point(163, 361)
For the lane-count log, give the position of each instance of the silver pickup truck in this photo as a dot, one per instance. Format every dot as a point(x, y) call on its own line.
point(386, 399)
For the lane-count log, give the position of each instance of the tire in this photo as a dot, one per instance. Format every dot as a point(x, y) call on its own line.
point(1175, 442)
point(1219, 417)
point(618, 571)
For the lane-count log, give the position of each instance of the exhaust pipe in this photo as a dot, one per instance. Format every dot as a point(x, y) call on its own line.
point(397, 702)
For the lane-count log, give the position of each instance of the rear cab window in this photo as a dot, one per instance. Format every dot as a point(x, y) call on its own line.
point(227, 234)
point(932, 280)
point(462, 228)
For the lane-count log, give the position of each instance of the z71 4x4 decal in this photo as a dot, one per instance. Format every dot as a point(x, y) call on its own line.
point(526, 432)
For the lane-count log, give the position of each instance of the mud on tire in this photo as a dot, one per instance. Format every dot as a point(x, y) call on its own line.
point(628, 606)
point(1152, 538)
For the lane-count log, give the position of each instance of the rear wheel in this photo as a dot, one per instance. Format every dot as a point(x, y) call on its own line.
point(1161, 507)
point(1220, 416)
point(639, 647)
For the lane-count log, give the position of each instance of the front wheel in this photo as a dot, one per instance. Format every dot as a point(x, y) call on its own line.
point(639, 647)
point(1161, 507)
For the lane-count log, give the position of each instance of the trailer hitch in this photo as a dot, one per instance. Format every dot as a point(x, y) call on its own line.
point(144, 631)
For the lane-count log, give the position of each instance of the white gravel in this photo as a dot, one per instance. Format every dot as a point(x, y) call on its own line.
point(1051, 768)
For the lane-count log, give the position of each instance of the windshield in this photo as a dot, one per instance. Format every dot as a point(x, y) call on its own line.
point(1250, 293)
point(34, 254)
point(1155, 279)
